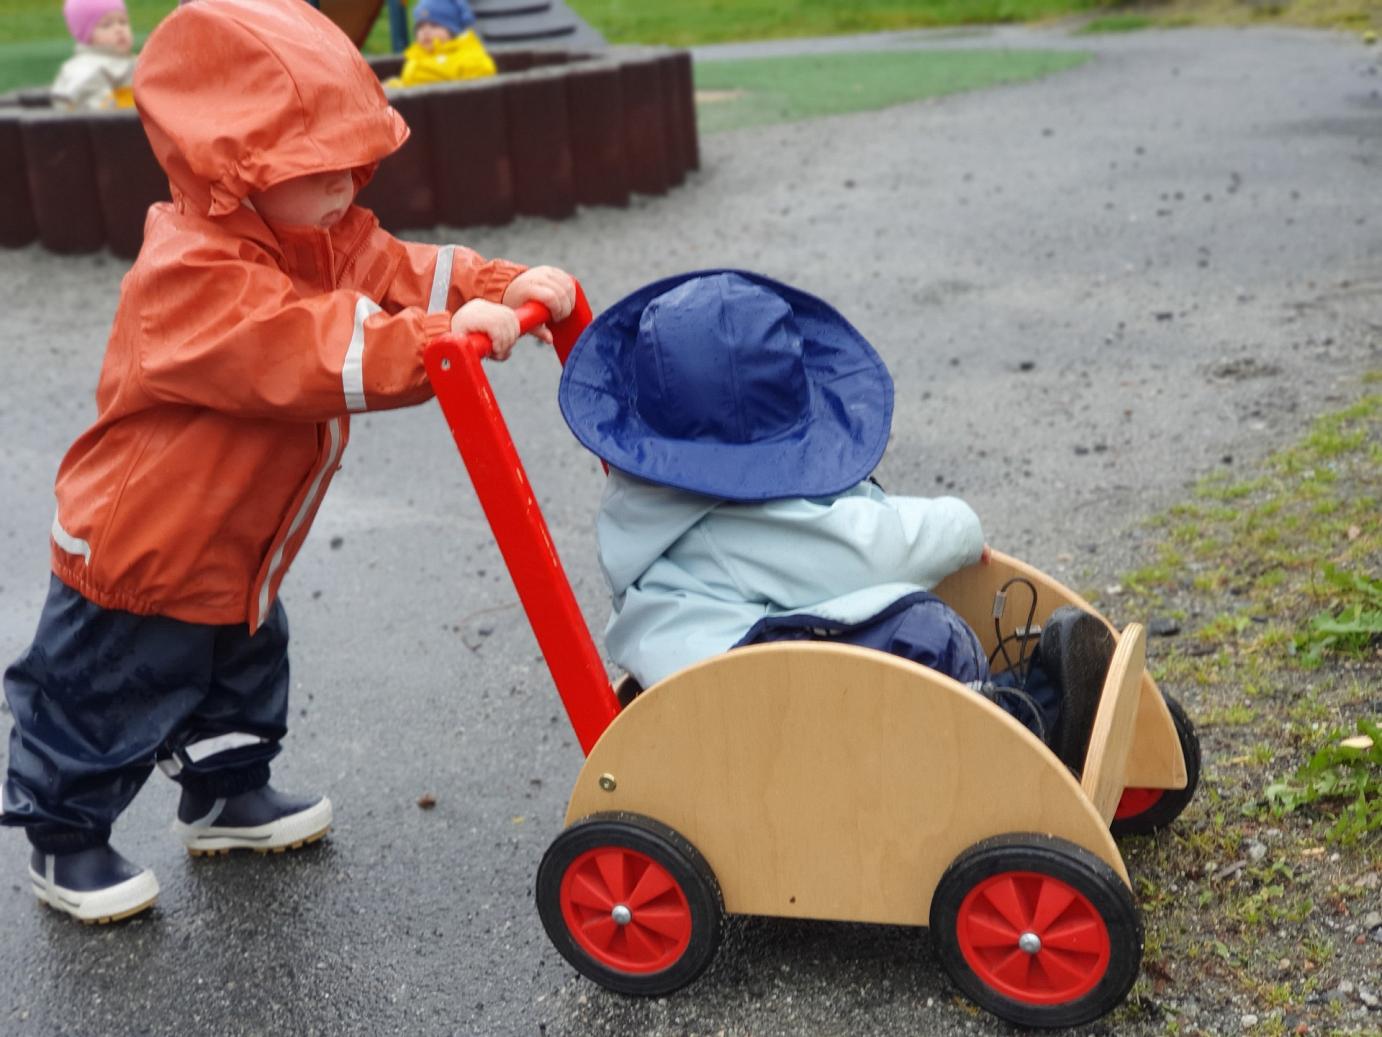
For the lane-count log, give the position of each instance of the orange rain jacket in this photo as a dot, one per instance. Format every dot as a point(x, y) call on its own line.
point(238, 353)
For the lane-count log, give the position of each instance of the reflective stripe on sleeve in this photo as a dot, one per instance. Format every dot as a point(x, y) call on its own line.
point(353, 368)
point(65, 540)
point(441, 279)
point(333, 454)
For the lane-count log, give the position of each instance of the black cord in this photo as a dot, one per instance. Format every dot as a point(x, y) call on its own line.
point(1023, 635)
point(1038, 725)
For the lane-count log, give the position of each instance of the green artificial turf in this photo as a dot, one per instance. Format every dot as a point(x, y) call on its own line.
point(758, 91)
point(34, 41)
point(686, 22)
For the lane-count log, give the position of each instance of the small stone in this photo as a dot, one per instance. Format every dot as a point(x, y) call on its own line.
point(336, 542)
point(1030, 365)
point(1113, 590)
point(1367, 997)
point(1372, 919)
point(1256, 851)
point(1163, 627)
point(426, 801)
point(1249, 1021)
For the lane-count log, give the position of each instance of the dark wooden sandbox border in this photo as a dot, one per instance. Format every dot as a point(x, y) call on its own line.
point(554, 130)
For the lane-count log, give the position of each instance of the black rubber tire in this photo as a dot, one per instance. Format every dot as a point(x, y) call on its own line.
point(1172, 802)
point(672, 852)
point(1072, 865)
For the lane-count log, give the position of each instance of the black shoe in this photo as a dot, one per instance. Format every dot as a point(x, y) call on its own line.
point(264, 820)
point(1076, 649)
point(92, 885)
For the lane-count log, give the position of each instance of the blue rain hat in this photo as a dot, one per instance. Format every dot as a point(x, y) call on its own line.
point(455, 16)
point(729, 384)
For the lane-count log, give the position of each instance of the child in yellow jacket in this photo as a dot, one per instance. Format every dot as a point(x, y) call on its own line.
point(446, 46)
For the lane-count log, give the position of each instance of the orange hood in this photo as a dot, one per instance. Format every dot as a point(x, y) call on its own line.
point(239, 95)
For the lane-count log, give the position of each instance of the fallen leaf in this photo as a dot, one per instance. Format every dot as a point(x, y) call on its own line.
point(427, 801)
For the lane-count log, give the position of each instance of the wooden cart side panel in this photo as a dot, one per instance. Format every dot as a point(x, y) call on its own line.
point(1111, 736)
point(827, 781)
point(1154, 759)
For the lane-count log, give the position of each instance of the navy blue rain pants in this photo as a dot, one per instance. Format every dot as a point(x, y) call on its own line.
point(924, 629)
point(102, 695)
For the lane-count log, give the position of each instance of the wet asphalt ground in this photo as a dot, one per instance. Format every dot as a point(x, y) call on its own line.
point(1092, 290)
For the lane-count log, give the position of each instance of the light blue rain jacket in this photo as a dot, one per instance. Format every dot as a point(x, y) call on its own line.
point(691, 574)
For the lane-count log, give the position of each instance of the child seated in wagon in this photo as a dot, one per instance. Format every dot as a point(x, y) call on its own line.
point(740, 419)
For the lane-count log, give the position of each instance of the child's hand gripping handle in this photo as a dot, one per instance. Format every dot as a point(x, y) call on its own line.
point(482, 436)
point(530, 315)
point(534, 314)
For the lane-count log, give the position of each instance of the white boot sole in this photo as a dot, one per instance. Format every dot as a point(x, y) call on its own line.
point(287, 833)
point(98, 906)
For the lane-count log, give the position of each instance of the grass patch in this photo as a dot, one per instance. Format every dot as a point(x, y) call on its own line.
point(32, 64)
point(1345, 772)
point(1353, 626)
point(760, 91)
point(689, 22)
point(34, 40)
point(1118, 23)
point(1257, 894)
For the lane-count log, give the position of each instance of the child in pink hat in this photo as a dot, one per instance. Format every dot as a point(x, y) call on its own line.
point(100, 73)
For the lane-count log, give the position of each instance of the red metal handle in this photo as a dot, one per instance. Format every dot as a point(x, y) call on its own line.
point(482, 436)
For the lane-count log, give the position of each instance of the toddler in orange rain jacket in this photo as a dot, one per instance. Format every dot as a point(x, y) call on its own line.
point(263, 310)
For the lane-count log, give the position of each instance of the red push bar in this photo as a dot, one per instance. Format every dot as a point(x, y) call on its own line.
point(482, 436)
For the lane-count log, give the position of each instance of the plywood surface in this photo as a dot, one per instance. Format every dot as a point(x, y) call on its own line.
point(827, 781)
point(1110, 739)
point(1154, 757)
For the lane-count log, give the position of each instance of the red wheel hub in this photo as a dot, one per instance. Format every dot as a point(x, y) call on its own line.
point(1033, 938)
point(625, 910)
point(1137, 801)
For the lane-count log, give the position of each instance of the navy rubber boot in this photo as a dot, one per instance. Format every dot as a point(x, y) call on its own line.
point(1076, 649)
point(92, 885)
point(264, 820)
